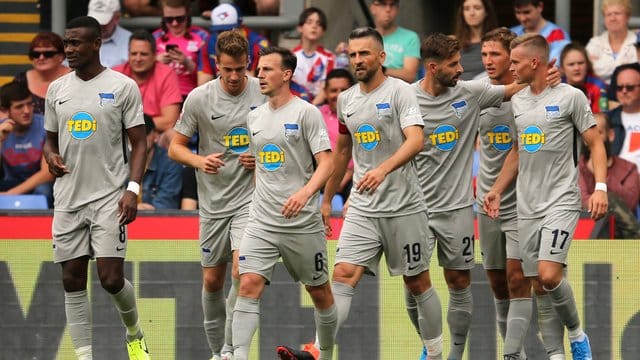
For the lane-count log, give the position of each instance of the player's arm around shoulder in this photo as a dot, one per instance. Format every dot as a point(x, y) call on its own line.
point(598, 202)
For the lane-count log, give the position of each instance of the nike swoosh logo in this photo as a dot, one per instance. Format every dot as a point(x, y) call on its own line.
point(120, 248)
point(457, 343)
point(213, 117)
point(317, 277)
point(517, 116)
point(256, 132)
point(555, 252)
point(349, 115)
point(468, 260)
point(60, 102)
point(412, 267)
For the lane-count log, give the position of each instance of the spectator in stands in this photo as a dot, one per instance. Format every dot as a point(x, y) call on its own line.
point(157, 82)
point(401, 45)
point(227, 17)
point(114, 37)
point(474, 19)
point(162, 181)
point(578, 72)
point(625, 119)
point(615, 46)
point(529, 15)
point(338, 80)
point(25, 170)
point(246, 7)
point(142, 7)
point(623, 186)
point(314, 61)
point(179, 43)
point(46, 53)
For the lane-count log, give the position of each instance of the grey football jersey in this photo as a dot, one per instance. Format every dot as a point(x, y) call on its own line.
point(220, 120)
point(496, 132)
point(284, 142)
point(548, 127)
point(375, 121)
point(90, 118)
point(450, 128)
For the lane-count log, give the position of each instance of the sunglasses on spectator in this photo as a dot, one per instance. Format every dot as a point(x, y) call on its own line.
point(47, 54)
point(171, 19)
point(629, 88)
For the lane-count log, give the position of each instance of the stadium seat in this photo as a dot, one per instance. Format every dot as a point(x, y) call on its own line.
point(23, 202)
point(337, 203)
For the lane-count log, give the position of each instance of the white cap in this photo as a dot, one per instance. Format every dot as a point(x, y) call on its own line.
point(102, 10)
point(225, 17)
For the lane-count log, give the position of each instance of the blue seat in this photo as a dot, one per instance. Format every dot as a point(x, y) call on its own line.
point(23, 202)
point(337, 203)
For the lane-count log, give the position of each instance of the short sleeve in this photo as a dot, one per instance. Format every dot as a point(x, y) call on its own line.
point(315, 131)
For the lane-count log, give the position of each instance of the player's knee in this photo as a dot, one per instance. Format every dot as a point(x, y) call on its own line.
point(458, 279)
point(519, 286)
point(73, 283)
point(344, 273)
point(321, 295)
point(251, 285)
point(419, 283)
point(212, 281)
point(549, 279)
point(112, 283)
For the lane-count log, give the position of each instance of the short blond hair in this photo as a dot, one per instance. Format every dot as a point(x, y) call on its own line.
point(626, 4)
point(533, 41)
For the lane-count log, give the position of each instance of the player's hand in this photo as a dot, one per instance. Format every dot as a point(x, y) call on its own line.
point(325, 210)
point(247, 160)
point(491, 204)
point(370, 181)
point(127, 208)
point(598, 204)
point(295, 203)
point(553, 74)
point(211, 163)
point(56, 165)
point(6, 128)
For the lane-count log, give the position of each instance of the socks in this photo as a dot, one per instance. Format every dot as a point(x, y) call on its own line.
point(565, 304)
point(246, 317)
point(214, 309)
point(459, 320)
point(342, 295)
point(412, 309)
point(125, 301)
point(517, 325)
point(326, 327)
point(430, 320)
point(78, 311)
point(502, 311)
point(231, 303)
point(551, 328)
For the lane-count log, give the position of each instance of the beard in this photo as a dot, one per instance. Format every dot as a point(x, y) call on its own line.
point(367, 75)
point(447, 81)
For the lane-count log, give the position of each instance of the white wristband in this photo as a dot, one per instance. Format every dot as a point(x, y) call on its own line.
point(601, 186)
point(134, 187)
